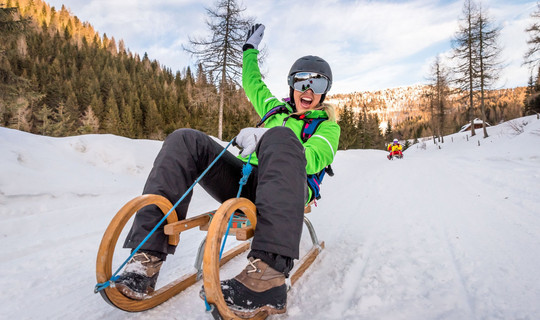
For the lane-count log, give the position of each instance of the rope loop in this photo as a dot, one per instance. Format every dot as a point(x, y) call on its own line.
point(246, 171)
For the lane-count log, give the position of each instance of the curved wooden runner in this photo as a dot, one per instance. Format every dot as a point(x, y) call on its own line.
point(108, 244)
point(218, 226)
point(216, 231)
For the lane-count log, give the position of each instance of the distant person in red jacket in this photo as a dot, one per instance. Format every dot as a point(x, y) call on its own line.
point(395, 150)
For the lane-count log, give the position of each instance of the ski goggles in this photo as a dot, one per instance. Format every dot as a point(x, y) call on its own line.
point(303, 81)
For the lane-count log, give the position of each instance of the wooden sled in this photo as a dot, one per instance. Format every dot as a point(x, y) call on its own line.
point(207, 263)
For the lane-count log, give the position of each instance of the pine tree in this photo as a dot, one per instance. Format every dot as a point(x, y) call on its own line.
point(374, 131)
point(406, 145)
point(22, 120)
point(112, 119)
point(90, 123)
point(152, 123)
point(12, 86)
point(97, 107)
point(45, 125)
point(348, 126)
point(389, 134)
point(127, 122)
point(362, 132)
point(61, 124)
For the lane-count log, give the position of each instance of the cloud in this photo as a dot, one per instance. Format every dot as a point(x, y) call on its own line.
point(356, 38)
point(156, 27)
point(369, 44)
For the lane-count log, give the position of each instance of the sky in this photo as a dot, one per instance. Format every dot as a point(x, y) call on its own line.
point(451, 232)
point(370, 45)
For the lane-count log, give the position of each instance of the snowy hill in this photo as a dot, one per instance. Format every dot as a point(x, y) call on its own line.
point(450, 232)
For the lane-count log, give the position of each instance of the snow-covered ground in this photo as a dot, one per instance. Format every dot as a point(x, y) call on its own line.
point(447, 233)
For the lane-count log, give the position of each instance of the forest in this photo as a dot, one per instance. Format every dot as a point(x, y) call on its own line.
point(407, 113)
point(60, 77)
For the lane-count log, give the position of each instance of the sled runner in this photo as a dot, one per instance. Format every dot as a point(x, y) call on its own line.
point(394, 156)
point(207, 262)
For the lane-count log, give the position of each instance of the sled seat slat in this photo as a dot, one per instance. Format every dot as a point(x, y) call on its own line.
point(232, 231)
point(239, 221)
point(183, 225)
point(244, 234)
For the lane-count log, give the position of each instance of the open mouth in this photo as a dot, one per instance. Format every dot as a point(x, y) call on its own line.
point(306, 102)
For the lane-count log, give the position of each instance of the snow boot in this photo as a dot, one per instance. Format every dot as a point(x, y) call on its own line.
point(257, 288)
point(140, 276)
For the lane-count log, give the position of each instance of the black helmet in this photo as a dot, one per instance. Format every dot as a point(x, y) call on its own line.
point(311, 64)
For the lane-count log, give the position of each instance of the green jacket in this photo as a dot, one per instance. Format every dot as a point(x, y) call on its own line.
point(320, 149)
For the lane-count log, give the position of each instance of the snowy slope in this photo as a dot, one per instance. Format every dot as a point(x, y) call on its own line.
point(447, 233)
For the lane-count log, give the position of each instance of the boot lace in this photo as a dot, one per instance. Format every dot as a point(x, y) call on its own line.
point(252, 264)
point(138, 257)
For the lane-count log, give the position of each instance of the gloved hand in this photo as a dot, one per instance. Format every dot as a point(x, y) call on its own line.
point(248, 138)
point(254, 36)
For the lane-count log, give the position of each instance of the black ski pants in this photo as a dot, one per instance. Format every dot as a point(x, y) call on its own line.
point(277, 186)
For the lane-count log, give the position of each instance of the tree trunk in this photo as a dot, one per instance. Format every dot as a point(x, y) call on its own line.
point(483, 115)
point(482, 75)
point(221, 103)
point(224, 74)
point(471, 114)
point(471, 72)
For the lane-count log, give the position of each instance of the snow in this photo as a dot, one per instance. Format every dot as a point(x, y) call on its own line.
point(452, 231)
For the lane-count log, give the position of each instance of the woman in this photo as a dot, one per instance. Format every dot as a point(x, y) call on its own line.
point(277, 185)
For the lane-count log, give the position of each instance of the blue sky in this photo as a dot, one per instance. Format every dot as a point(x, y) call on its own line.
point(370, 45)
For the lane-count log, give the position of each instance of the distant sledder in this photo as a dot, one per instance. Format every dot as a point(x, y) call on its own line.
point(395, 150)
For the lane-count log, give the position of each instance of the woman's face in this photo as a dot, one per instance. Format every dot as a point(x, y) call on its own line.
point(306, 100)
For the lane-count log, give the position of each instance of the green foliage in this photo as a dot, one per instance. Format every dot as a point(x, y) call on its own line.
point(348, 123)
point(531, 104)
point(406, 145)
point(60, 78)
point(359, 130)
point(389, 133)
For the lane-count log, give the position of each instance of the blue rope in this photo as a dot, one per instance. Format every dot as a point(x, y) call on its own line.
point(114, 277)
point(246, 171)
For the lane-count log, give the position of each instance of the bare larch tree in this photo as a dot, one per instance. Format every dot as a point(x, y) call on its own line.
point(532, 59)
point(465, 51)
point(532, 56)
point(439, 87)
point(221, 54)
point(488, 58)
point(476, 47)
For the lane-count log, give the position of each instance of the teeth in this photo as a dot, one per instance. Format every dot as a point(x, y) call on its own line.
point(307, 99)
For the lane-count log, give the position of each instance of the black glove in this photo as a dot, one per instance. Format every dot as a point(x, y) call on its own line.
point(254, 37)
